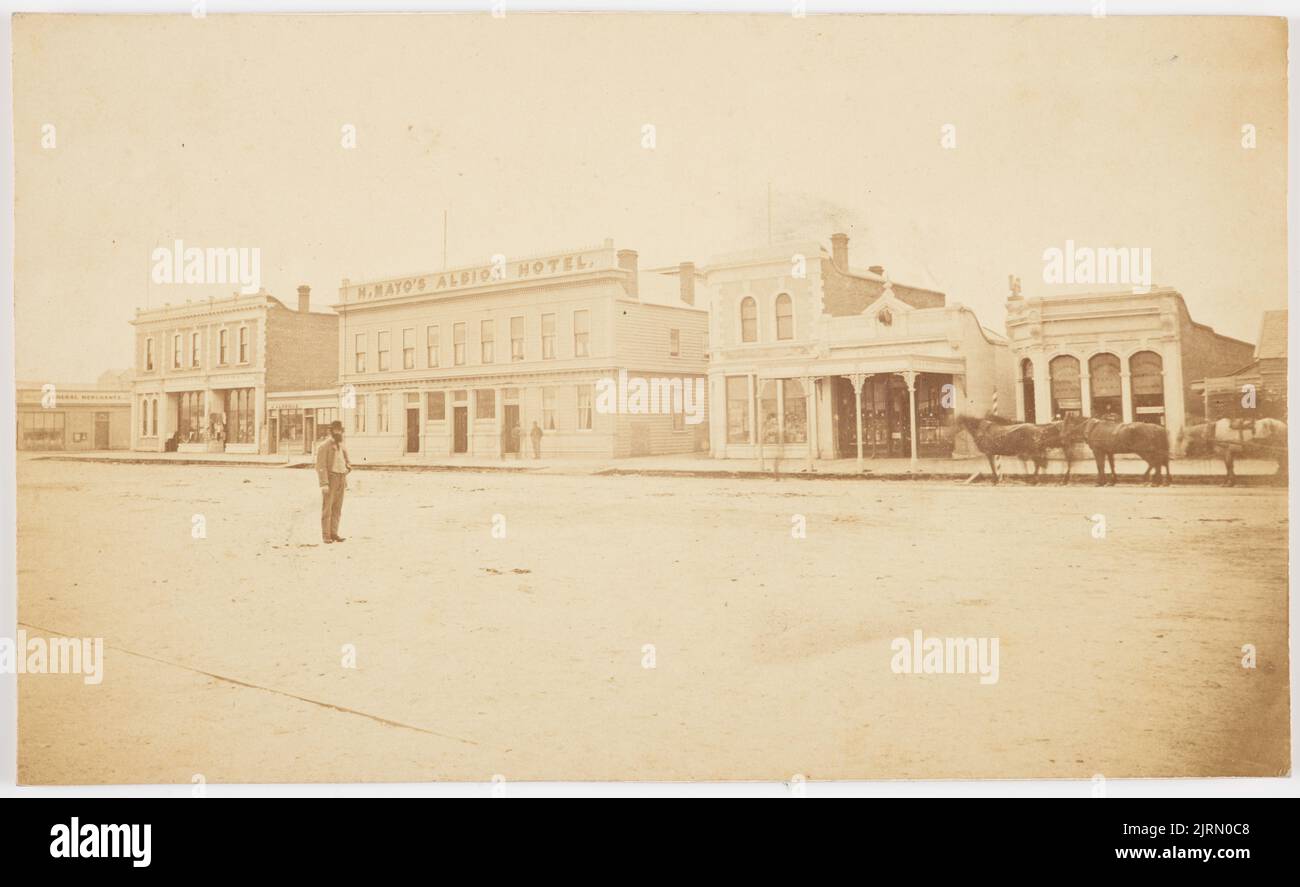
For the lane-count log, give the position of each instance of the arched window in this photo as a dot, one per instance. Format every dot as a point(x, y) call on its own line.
point(1027, 388)
point(784, 317)
point(1105, 387)
point(748, 319)
point(1066, 391)
point(1147, 381)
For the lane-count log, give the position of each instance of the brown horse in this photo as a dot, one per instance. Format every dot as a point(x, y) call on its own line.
point(1002, 437)
point(1229, 438)
point(1105, 439)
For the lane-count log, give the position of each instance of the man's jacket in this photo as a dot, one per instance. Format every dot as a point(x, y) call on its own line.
point(326, 455)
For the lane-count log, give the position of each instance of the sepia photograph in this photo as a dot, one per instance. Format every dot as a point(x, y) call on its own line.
point(505, 397)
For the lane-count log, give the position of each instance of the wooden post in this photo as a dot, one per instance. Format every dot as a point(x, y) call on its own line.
point(857, 379)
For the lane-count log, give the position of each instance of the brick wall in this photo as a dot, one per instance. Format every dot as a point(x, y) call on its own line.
point(845, 294)
point(301, 350)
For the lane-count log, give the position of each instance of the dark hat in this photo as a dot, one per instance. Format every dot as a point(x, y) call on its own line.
point(336, 425)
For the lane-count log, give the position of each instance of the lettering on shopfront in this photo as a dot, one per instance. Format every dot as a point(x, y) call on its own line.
point(469, 277)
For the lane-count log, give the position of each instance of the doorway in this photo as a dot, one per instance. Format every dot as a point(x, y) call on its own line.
point(413, 430)
point(511, 419)
point(101, 431)
point(460, 434)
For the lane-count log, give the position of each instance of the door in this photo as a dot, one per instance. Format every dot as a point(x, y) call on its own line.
point(460, 437)
point(511, 419)
point(308, 432)
point(101, 431)
point(413, 430)
point(273, 435)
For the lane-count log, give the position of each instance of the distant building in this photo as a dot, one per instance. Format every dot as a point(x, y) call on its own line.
point(56, 416)
point(812, 358)
point(204, 372)
point(448, 363)
point(1257, 389)
point(1130, 355)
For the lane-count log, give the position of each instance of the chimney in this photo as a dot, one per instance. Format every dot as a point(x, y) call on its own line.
point(686, 277)
point(304, 299)
point(840, 251)
point(627, 261)
point(878, 270)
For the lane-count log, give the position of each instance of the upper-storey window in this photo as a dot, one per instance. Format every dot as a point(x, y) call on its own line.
point(784, 317)
point(548, 336)
point(408, 349)
point(148, 354)
point(581, 333)
point(748, 319)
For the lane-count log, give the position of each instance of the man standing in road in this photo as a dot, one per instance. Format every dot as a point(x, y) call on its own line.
point(332, 467)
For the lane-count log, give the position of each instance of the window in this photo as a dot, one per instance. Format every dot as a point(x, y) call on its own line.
point(768, 412)
point(585, 395)
point(1027, 389)
point(144, 417)
point(359, 414)
point(435, 406)
point(239, 423)
point(516, 338)
point(784, 317)
point(190, 422)
point(1106, 389)
point(738, 409)
point(548, 408)
point(42, 430)
point(381, 420)
point(674, 343)
point(581, 333)
point(148, 354)
point(485, 403)
point(794, 412)
point(153, 422)
point(1067, 394)
point(243, 344)
point(194, 349)
point(223, 349)
point(748, 319)
point(431, 346)
point(487, 340)
point(408, 349)
point(384, 337)
point(458, 344)
point(361, 352)
point(548, 337)
point(176, 351)
point(1146, 372)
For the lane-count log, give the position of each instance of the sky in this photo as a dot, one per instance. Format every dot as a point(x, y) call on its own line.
point(528, 132)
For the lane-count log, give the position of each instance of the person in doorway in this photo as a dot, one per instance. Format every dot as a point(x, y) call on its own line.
point(332, 467)
point(516, 441)
point(535, 435)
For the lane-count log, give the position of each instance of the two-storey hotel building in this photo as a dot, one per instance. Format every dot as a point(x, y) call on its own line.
point(465, 361)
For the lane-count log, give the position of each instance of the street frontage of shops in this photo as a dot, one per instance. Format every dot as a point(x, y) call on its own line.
point(794, 351)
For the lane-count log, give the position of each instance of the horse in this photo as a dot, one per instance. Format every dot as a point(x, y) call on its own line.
point(1106, 438)
point(1229, 438)
point(1002, 437)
